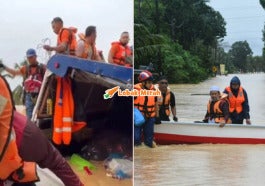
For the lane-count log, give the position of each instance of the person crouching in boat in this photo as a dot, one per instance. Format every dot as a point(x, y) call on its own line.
point(148, 106)
point(217, 108)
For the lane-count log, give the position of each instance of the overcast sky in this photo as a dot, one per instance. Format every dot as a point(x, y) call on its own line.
point(245, 21)
point(25, 23)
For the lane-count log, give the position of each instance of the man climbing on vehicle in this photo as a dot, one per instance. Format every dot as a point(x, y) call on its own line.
point(33, 74)
point(66, 40)
point(86, 46)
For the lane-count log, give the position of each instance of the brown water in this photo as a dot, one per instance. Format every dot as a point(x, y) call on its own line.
point(206, 164)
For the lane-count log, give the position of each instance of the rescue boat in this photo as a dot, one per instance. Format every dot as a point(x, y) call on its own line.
point(196, 133)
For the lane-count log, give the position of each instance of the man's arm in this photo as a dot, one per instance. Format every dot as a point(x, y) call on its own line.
point(13, 71)
point(246, 108)
point(173, 106)
point(112, 53)
point(224, 107)
point(62, 47)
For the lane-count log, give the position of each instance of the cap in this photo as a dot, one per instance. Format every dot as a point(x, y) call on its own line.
point(31, 52)
point(214, 88)
point(145, 75)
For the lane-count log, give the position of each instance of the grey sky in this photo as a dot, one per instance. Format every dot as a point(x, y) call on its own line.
point(245, 21)
point(24, 24)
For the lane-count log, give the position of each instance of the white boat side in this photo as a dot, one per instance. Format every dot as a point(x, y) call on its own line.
point(209, 133)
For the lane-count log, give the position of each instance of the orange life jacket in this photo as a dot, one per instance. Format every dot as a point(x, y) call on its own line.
point(146, 104)
point(89, 51)
point(236, 103)
point(218, 114)
point(11, 164)
point(71, 45)
point(165, 102)
point(63, 124)
point(123, 52)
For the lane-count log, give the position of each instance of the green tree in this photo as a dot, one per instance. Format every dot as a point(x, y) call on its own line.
point(178, 37)
point(239, 53)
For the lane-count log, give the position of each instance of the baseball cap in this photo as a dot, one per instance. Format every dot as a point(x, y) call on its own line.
point(31, 52)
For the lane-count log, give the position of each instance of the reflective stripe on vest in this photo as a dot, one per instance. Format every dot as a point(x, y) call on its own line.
point(147, 107)
point(236, 103)
point(64, 113)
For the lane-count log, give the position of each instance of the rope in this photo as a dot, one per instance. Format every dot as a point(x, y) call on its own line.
point(43, 54)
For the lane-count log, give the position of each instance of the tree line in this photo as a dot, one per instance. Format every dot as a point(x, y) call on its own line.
point(182, 39)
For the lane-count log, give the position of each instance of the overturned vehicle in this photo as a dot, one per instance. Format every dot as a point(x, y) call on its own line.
point(77, 107)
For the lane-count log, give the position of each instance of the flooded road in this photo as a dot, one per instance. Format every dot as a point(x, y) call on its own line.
point(206, 164)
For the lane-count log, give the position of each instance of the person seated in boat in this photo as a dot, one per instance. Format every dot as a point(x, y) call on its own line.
point(23, 145)
point(238, 101)
point(166, 101)
point(217, 108)
point(120, 52)
point(86, 46)
point(148, 106)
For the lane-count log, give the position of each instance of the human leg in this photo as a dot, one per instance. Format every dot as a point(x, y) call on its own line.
point(29, 105)
point(137, 135)
point(149, 132)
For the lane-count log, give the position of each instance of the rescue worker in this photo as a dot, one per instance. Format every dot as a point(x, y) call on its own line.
point(238, 101)
point(23, 145)
point(148, 106)
point(217, 108)
point(33, 74)
point(166, 101)
point(86, 46)
point(120, 53)
point(63, 116)
point(66, 41)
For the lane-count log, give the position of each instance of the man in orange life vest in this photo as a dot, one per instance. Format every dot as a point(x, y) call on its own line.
point(33, 75)
point(166, 100)
point(86, 46)
point(66, 41)
point(238, 100)
point(120, 53)
point(23, 145)
point(217, 108)
point(148, 106)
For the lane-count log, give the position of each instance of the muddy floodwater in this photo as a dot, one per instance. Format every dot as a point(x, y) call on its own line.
point(206, 164)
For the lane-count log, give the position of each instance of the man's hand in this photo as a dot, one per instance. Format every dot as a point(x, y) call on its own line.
point(222, 124)
point(175, 118)
point(158, 120)
point(248, 122)
point(47, 47)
